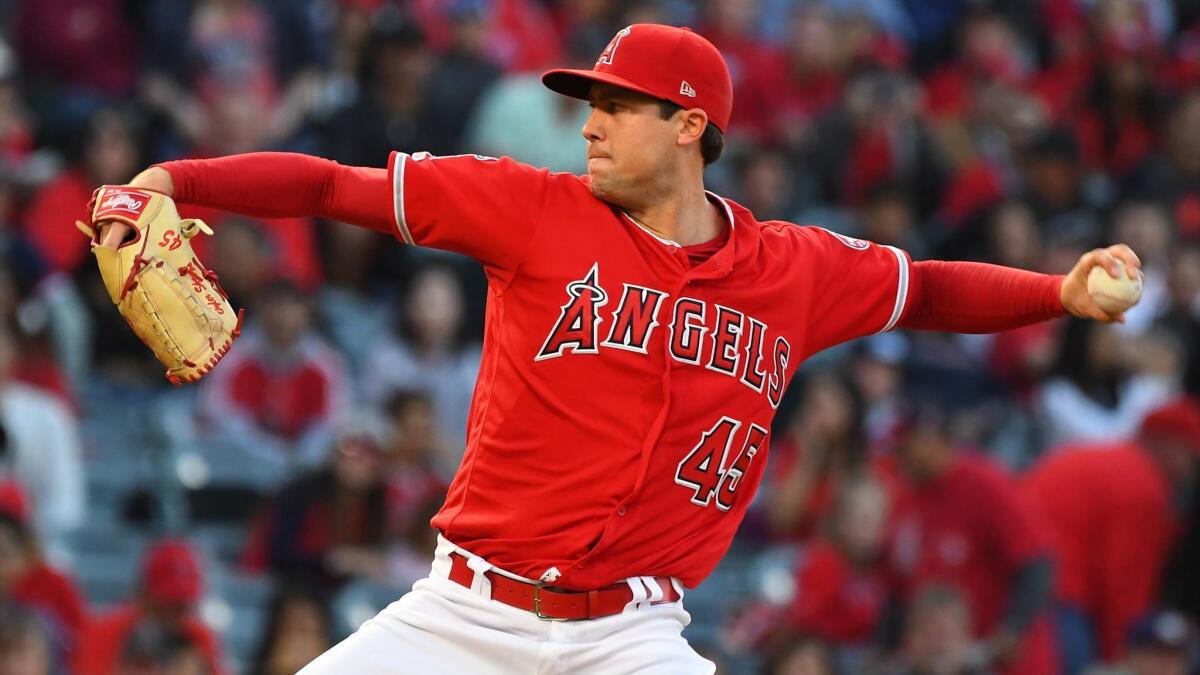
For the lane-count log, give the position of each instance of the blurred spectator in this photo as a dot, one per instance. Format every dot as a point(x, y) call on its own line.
point(49, 317)
point(805, 656)
point(297, 630)
point(877, 138)
point(462, 74)
point(1118, 125)
point(520, 34)
point(768, 185)
point(1102, 385)
point(389, 112)
point(75, 56)
point(16, 130)
point(1159, 644)
point(1172, 175)
point(214, 78)
point(755, 66)
point(840, 586)
point(963, 524)
point(821, 448)
point(431, 350)
point(153, 649)
point(281, 387)
point(519, 117)
point(1020, 358)
point(414, 490)
point(887, 218)
point(878, 374)
point(1053, 175)
point(937, 636)
point(105, 152)
point(159, 625)
point(24, 646)
point(40, 450)
point(27, 581)
point(328, 525)
point(1113, 517)
point(1180, 314)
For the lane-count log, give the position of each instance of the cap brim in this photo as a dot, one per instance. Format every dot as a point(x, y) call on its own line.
point(578, 83)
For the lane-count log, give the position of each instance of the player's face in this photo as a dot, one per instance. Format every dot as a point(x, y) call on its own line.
point(629, 144)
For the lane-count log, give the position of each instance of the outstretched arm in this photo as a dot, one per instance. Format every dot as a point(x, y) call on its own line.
point(275, 185)
point(964, 297)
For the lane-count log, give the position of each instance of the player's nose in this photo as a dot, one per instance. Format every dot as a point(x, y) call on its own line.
point(592, 128)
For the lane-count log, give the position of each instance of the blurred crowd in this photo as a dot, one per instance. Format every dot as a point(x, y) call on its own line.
point(938, 504)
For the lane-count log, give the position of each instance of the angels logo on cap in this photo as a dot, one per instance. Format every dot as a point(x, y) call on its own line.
point(666, 62)
point(606, 56)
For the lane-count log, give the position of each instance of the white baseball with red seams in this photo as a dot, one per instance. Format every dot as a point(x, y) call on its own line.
point(1114, 295)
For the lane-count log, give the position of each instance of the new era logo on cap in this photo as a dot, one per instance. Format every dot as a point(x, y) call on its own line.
point(686, 89)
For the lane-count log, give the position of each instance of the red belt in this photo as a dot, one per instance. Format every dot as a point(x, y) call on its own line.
point(553, 604)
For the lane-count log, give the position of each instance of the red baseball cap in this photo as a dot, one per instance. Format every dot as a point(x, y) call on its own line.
point(13, 502)
point(1178, 420)
point(171, 573)
point(665, 62)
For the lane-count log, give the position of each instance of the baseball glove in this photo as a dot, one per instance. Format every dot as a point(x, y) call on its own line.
point(173, 303)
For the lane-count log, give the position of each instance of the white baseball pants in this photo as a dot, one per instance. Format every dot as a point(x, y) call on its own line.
point(442, 627)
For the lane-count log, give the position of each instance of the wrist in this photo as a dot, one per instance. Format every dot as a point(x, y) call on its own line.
point(155, 178)
point(1058, 299)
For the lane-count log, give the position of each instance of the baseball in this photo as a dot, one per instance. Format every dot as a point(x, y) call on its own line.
point(1114, 295)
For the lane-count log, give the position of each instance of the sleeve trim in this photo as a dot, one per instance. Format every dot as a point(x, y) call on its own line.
point(901, 289)
point(399, 160)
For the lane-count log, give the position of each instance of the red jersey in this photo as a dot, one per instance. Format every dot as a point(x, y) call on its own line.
point(1111, 526)
point(971, 529)
point(103, 643)
point(620, 422)
point(836, 601)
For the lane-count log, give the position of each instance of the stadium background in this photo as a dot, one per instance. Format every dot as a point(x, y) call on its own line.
point(274, 515)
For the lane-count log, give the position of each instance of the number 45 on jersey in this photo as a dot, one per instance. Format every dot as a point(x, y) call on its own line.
point(705, 470)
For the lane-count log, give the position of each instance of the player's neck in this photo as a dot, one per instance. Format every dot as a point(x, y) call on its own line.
point(685, 217)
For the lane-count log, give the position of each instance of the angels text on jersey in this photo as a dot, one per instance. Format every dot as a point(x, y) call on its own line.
point(709, 335)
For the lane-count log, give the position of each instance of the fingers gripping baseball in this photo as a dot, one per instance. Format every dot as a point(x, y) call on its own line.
point(1118, 285)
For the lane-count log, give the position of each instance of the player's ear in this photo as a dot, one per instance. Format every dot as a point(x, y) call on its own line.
point(692, 125)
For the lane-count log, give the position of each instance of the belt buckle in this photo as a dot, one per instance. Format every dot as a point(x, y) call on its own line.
point(537, 607)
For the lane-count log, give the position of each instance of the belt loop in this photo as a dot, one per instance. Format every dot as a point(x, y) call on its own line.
point(639, 594)
point(678, 587)
point(656, 591)
point(480, 584)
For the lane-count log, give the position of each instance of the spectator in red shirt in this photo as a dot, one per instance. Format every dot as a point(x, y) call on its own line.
point(280, 388)
point(1111, 511)
point(107, 153)
point(962, 523)
point(163, 610)
point(1117, 128)
point(28, 581)
point(840, 588)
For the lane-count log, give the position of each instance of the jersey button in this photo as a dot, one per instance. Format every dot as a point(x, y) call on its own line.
point(620, 510)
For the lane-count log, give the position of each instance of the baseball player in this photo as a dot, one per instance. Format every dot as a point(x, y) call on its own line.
point(640, 334)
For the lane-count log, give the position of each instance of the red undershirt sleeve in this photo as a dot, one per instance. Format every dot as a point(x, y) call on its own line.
point(286, 185)
point(967, 297)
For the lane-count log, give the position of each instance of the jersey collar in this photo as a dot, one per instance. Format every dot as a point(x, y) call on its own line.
point(721, 262)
